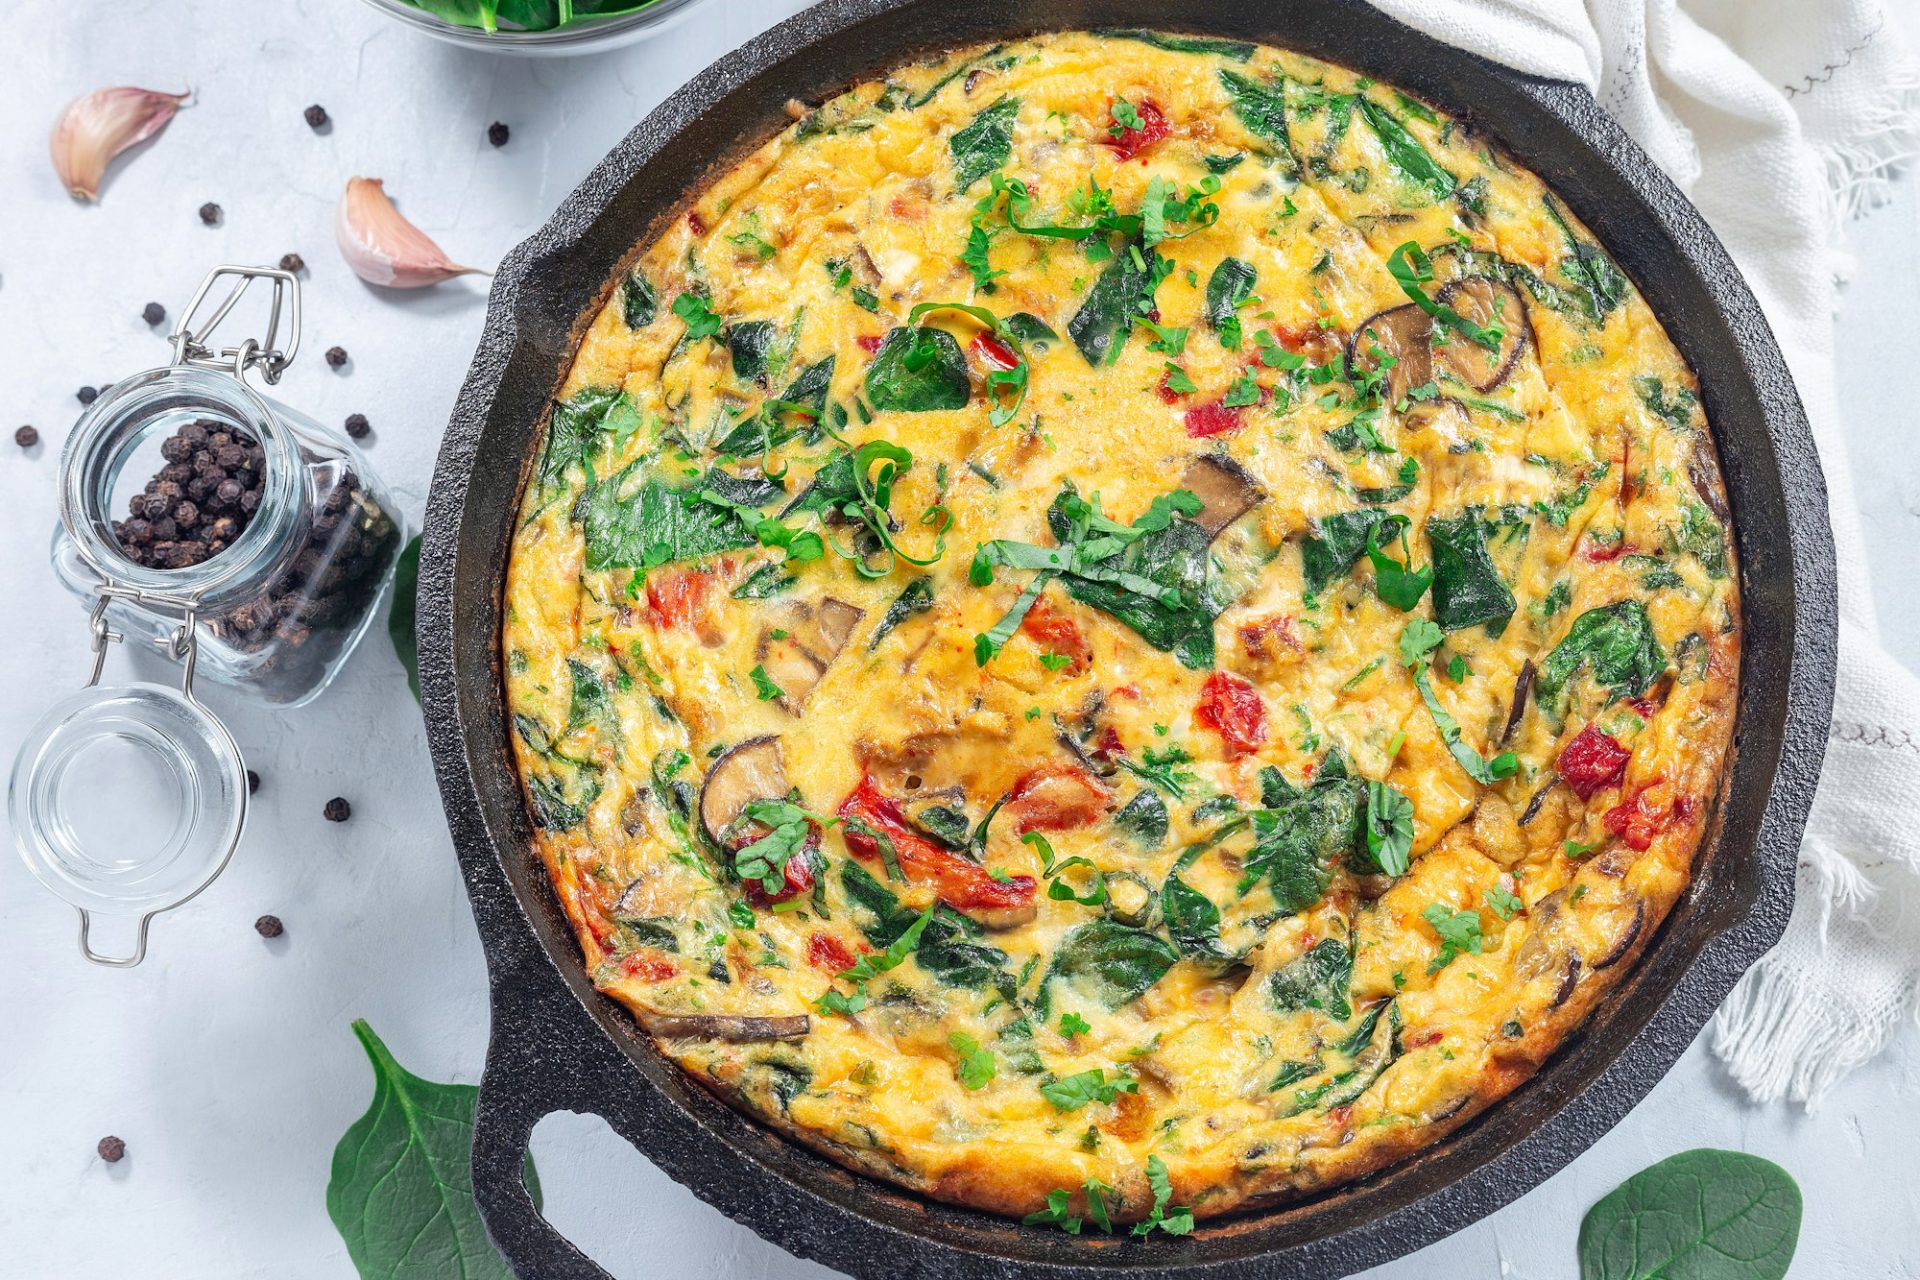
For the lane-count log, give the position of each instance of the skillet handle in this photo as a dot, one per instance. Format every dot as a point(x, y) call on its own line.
point(523, 1081)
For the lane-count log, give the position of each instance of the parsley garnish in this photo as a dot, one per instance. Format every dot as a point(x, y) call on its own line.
point(1400, 585)
point(871, 966)
point(1070, 1093)
point(764, 685)
point(1419, 639)
point(1459, 934)
point(1389, 828)
point(1174, 1220)
point(1502, 903)
point(977, 1067)
point(1126, 117)
point(1072, 1024)
point(698, 315)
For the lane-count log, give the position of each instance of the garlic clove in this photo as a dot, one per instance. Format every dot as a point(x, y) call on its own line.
point(382, 247)
point(98, 126)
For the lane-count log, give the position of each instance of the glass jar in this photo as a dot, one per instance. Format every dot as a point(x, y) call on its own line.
point(255, 556)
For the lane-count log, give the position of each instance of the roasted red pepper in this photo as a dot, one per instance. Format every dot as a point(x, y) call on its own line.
point(1057, 633)
point(993, 353)
point(1232, 707)
point(1213, 419)
point(824, 951)
point(962, 885)
point(1129, 142)
point(1592, 760)
point(1638, 820)
point(1057, 796)
point(678, 596)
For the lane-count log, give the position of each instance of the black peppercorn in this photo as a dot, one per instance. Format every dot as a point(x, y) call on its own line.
point(317, 117)
point(253, 782)
point(153, 313)
point(337, 810)
point(336, 357)
point(210, 213)
point(498, 134)
point(293, 262)
point(357, 426)
point(87, 395)
point(26, 437)
point(269, 927)
point(112, 1149)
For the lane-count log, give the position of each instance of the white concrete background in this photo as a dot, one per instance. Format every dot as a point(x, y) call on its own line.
point(225, 1062)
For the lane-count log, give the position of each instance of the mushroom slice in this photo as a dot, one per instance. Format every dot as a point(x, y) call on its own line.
point(815, 635)
point(1624, 942)
point(1522, 686)
point(750, 771)
point(1225, 490)
point(1704, 471)
point(1404, 334)
point(1485, 301)
point(722, 1026)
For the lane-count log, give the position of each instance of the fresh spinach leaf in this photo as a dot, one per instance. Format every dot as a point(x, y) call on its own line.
point(1101, 325)
point(1261, 108)
point(1144, 818)
point(1237, 50)
point(1467, 590)
point(657, 524)
point(1299, 844)
point(401, 1189)
point(574, 432)
point(918, 369)
point(401, 612)
point(916, 597)
point(1702, 1214)
point(1228, 289)
point(985, 144)
point(1389, 829)
point(1336, 545)
point(748, 343)
point(1193, 921)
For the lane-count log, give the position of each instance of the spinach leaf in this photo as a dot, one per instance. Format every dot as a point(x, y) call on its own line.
point(1389, 843)
point(1101, 325)
point(1237, 50)
point(1299, 844)
point(1111, 962)
point(659, 524)
point(574, 432)
point(401, 1189)
point(984, 145)
point(1418, 639)
point(1228, 289)
point(764, 583)
point(918, 369)
point(951, 952)
point(1316, 979)
point(561, 798)
point(1701, 535)
point(1336, 545)
point(1467, 590)
point(1676, 410)
point(748, 343)
point(1275, 790)
point(1261, 108)
point(1144, 818)
point(1174, 557)
point(917, 597)
point(1396, 582)
point(1589, 268)
point(400, 614)
point(1404, 152)
point(795, 413)
point(639, 303)
point(1031, 330)
point(1703, 1214)
point(589, 703)
point(1193, 921)
point(1616, 642)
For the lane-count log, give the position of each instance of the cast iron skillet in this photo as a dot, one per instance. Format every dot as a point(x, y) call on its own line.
point(559, 1045)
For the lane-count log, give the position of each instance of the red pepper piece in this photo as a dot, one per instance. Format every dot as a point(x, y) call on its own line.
point(1592, 760)
point(1232, 707)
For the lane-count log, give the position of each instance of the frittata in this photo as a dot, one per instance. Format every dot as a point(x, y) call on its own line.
point(1120, 625)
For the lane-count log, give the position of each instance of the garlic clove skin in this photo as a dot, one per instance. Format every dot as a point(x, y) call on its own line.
point(98, 126)
point(382, 247)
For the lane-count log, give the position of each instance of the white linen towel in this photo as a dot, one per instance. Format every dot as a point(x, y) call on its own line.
point(1781, 119)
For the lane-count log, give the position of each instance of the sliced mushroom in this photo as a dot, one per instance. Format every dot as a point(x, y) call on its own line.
point(1522, 685)
point(1485, 301)
point(1568, 981)
point(815, 635)
point(1405, 334)
point(1703, 469)
point(1624, 943)
point(1225, 490)
point(722, 1026)
point(751, 771)
point(1532, 810)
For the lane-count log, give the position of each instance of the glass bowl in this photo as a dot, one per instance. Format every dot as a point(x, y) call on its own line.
point(588, 35)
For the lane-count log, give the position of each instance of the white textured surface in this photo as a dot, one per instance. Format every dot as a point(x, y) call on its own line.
point(225, 1062)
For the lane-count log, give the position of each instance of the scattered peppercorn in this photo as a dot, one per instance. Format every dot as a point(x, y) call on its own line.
point(358, 426)
point(498, 134)
point(210, 213)
point(317, 117)
point(112, 1149)
point(153, 313)
point(337, 810)
point(293, 262)
point(87, 395)
point(253, 782)
point(269, 927)
point(26, 437)
point(199, 502)
point(336, 357)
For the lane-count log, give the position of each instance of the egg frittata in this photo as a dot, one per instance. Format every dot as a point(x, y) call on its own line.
point(1118, 626)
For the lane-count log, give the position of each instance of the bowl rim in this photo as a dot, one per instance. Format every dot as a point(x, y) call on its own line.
point(556, 1044)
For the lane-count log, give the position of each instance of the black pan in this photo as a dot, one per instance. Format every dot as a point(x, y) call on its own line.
point(559, 1045)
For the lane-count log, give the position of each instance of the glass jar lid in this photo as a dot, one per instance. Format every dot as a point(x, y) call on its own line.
point(127, 801)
